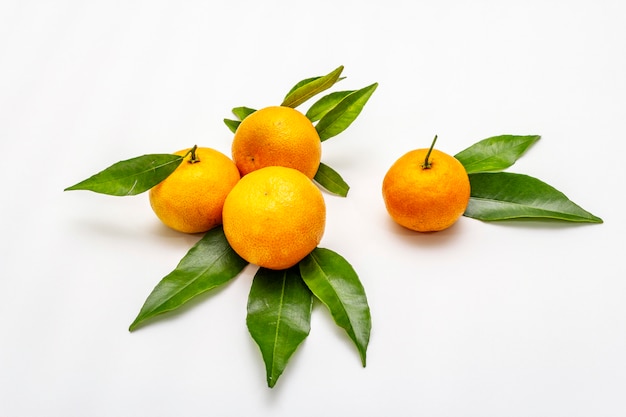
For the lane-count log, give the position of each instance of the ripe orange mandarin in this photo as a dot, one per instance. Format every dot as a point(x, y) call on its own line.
point(191, 198)
point(277, 136)
point(274, 217)
point(426, 190)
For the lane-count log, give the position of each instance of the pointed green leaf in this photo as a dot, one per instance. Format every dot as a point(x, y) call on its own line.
point(331, 180)
point(325, 104)
point(232, 124)
point(301, 83)
point(243, 112)
point(306, 89)
point(279, 317)
point(503, 195)
point(132, 176)
point(209, 263)
point(344, 113)
point(496, 153)
point(335, 283)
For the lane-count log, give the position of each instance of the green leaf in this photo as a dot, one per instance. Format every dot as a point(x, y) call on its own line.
point(331, 180)
point(232, 124)
point(335, 283)
point(243, 112)
point(344, 113)
point(301, 83)
point(131, 177)
point(503, 195)
point(496, 153)
point(209, 263)
point(308, 88)
point(325, 104)
point(279, 317)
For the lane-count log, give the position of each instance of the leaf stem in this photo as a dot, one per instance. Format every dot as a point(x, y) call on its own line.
point(427, 164)
point(194, 158)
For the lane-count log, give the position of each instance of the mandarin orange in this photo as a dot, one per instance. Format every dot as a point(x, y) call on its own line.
point(277, 136)
point(426, 190)
point(274, 217)
point(191, 199)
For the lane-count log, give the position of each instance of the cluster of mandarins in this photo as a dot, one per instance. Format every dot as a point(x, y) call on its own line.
point(272, 213)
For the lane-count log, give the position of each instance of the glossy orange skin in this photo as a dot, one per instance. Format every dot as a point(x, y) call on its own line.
point(277, 136)
point(426, 199)
point(191, 199)
point(274, 217)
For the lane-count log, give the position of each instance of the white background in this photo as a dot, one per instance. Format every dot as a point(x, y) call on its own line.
point(483, 319)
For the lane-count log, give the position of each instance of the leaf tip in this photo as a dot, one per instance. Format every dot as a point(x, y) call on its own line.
point(231, 124)
point(74, 187)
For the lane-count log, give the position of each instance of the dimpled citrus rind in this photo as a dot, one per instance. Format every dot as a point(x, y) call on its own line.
point(191, 199)
point(426, 200)
point(277, 136)
point(274, 217)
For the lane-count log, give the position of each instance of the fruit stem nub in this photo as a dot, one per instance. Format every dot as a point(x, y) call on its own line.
point(194, 158)
point(427, 164)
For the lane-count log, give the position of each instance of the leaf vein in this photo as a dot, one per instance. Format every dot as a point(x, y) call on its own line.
point(521, 205)
point(278, 323)
point(341, 303)
point(137, 174)
point(198, 275)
